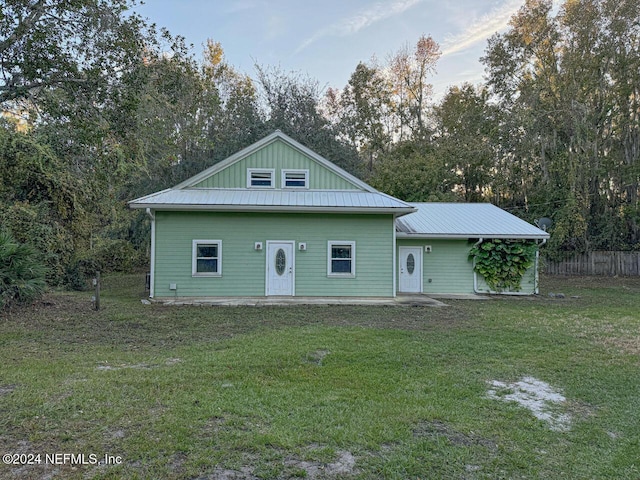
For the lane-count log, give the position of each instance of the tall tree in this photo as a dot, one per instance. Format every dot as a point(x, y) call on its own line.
point(571, 83)
point(466, 135)
point(292, 104)
point(366, 107)
point(49, 43)
point(409, 72)
point(236, 122)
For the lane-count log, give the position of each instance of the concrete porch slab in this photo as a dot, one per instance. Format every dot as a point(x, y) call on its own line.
point(402, 300)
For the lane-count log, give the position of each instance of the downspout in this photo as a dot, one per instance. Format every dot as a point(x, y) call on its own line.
point(152, 216)
point(395, 251)
point(536, 290)
point(475, 275)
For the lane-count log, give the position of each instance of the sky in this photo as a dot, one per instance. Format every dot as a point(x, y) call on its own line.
point(326, 39)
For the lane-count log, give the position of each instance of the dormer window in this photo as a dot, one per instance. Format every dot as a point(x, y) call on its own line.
point(295, 178)
point(260, 178)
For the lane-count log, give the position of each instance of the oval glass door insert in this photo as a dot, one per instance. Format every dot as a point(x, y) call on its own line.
point(411, 263)
point(281, 262)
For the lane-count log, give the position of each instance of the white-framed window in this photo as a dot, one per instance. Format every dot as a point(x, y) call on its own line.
point(341, 258)
point(295, 178)
point(206, 258)
point(260, 178)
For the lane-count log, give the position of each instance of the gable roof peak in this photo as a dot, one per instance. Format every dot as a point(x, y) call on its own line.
point(275, 135)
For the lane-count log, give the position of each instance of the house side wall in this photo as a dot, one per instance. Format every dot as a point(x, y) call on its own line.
point(277, 155)
point(244, 268)
point(448, 269)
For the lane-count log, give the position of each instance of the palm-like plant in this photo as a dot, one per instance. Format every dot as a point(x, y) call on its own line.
point(22, 274)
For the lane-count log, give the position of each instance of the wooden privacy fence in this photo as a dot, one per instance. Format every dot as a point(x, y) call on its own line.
point(596, 263)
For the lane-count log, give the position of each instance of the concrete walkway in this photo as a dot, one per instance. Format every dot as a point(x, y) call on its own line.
point(406, 300)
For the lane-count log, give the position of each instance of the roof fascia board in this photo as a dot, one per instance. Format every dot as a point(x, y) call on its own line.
point(459, 236)
point(270, 208)
point(151, 195)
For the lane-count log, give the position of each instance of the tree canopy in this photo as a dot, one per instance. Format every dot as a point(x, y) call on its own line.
point(99, 107)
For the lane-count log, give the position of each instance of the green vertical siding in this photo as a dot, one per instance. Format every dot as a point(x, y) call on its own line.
point(243, 267)
point(277, 155)
point(448, 269)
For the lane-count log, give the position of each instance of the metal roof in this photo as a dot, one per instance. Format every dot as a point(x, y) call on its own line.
point(221, 199)
point(464, 220)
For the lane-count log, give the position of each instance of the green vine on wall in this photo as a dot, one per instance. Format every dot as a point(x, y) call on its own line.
point(503, 263)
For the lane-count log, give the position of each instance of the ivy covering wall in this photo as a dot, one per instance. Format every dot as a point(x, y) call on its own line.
point(503, 263)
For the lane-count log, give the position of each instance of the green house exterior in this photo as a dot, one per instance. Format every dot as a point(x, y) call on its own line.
point(276, 219)
point(440, 237)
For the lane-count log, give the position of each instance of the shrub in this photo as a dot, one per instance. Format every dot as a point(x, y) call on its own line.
point(108, 255)
point(22, 275)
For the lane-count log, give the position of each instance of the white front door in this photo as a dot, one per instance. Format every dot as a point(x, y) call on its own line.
point(280, 268)
point(410, 269)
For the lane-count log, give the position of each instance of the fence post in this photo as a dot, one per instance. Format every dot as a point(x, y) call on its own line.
point(96, 283)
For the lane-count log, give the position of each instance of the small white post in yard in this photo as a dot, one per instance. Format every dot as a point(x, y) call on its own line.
point(96, 284)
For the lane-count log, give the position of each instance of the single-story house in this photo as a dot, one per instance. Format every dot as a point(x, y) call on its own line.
point(277, 219)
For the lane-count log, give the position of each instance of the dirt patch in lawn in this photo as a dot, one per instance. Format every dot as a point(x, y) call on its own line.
point(435, 429)
point(342, 465)
point(540, 398)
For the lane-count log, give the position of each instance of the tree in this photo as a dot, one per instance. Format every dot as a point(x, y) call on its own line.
point(236, 122)
point(292, 104)
point(50, 43)
point(414, 172)
point(569, 84)
point(466, 128)
point(409, 72)
point(365, 112)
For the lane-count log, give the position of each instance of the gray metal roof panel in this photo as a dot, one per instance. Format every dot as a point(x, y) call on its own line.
point(460, 220)
point(210, 198)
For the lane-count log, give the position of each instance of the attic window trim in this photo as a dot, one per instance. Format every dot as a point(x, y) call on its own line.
point(292, 177)
point(256, 178)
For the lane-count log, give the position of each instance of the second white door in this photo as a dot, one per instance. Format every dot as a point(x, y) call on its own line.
point(410, 270)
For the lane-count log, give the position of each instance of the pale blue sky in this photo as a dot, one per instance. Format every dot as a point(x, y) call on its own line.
point(327, 39)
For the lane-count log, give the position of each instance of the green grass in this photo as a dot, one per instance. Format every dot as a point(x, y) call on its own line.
point(198, 392)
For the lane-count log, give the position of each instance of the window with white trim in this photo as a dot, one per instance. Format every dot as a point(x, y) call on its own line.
point(295, 178)
point(341, 259)
point(206, 258)
point(260, 178)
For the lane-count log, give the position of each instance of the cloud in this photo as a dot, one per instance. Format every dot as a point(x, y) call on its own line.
point(365, 18)
point(482, 28)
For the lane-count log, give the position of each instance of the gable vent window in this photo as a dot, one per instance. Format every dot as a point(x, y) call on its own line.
point(295, 178)
point(260, 178)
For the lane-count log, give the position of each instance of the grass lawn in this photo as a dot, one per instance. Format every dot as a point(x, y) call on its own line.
point(323, 392)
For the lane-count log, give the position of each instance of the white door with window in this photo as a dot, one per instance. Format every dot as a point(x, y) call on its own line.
point(410, 270)
point(280, 268)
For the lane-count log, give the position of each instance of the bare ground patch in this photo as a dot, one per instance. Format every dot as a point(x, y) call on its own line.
point(541, 399)
point(438, 429)
point(342, 465)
